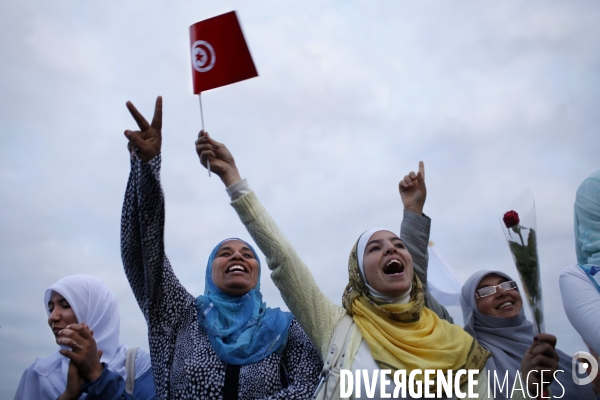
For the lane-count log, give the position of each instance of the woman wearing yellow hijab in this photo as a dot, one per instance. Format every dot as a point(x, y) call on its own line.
point(392, 329)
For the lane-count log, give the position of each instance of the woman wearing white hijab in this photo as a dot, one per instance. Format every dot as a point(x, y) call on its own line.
point(493, 314)
point(580, 283)
point(90, 363)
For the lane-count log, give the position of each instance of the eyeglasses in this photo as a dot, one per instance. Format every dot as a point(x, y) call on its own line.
point(490, 290)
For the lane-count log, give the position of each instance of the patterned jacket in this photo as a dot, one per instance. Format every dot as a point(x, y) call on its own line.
point(184, 363)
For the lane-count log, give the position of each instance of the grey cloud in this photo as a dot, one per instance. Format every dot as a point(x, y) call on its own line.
point(493, 97)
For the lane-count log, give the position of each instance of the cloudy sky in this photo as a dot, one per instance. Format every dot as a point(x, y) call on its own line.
point(495, 97)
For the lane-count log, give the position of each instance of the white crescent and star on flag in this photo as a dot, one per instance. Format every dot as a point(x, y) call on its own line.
point(203, 56)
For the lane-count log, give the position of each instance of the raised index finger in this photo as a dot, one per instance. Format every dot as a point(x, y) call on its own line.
point(157, 119)
point(422, 170)
point(139, 118)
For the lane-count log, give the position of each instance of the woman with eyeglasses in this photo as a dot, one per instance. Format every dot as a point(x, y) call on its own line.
point(493, 314)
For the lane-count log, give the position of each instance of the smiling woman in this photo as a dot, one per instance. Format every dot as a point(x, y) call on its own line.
point(493, 313)
point(496, 296)
point(235, 268)
point(241, 329)
point(60, 312)
point(383, 262)
point(225, 344)
point(84, 318)
point(395, 323)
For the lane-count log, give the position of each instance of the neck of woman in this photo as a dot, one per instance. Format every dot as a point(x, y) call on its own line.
point(390, 299)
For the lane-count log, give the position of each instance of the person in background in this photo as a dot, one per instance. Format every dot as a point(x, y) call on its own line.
point(493, 314)
point(226, 344)
point(580, 283)
point(90, 362)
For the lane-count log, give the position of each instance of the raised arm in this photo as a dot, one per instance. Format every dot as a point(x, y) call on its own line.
point(581, 301)
point(155, 286)
point(414, 232)
point(316, 314)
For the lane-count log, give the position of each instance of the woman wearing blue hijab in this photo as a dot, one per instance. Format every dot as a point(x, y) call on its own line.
point(241, 328)
point(226, 344)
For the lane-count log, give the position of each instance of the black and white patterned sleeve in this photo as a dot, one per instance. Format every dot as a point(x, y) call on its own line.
point(155, 286)
point(302, 365)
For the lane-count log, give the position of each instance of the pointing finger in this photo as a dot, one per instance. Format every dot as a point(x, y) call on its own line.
point(421, 170)
point(139, 118)
point(157, 119)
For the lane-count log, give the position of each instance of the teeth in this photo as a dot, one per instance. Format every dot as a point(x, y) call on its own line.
point(392, 261)
point(235, 268)
point(508, 303)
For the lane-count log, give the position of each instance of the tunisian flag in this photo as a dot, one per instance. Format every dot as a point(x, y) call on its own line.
point(219, 52)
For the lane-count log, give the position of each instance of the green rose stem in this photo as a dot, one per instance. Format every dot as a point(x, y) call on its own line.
point(517, 230)
point(526, 261)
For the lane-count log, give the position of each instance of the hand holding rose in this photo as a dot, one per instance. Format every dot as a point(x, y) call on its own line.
point(541, 355)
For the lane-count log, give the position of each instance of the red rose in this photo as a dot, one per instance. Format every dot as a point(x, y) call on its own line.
point(511, 218)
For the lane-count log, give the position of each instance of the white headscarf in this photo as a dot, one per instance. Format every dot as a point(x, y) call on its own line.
point(95, 304)
point(360, 254)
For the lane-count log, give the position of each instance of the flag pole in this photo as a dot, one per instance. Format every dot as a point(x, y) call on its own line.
point(202, 119)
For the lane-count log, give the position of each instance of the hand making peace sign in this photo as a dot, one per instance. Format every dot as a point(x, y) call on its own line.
point(147, 141)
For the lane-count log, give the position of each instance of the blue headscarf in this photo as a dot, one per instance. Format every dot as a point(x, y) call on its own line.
point(587, 227)
point(241, 329)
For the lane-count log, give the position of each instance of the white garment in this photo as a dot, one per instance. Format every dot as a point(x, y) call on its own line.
point(238, 189)
point(581, 301)
point(95, 304)
point(363, 360)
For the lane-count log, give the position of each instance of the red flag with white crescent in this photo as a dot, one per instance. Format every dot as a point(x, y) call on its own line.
point(219, 53)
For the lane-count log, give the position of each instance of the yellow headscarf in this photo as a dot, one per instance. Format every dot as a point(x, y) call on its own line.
point(408, 336)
